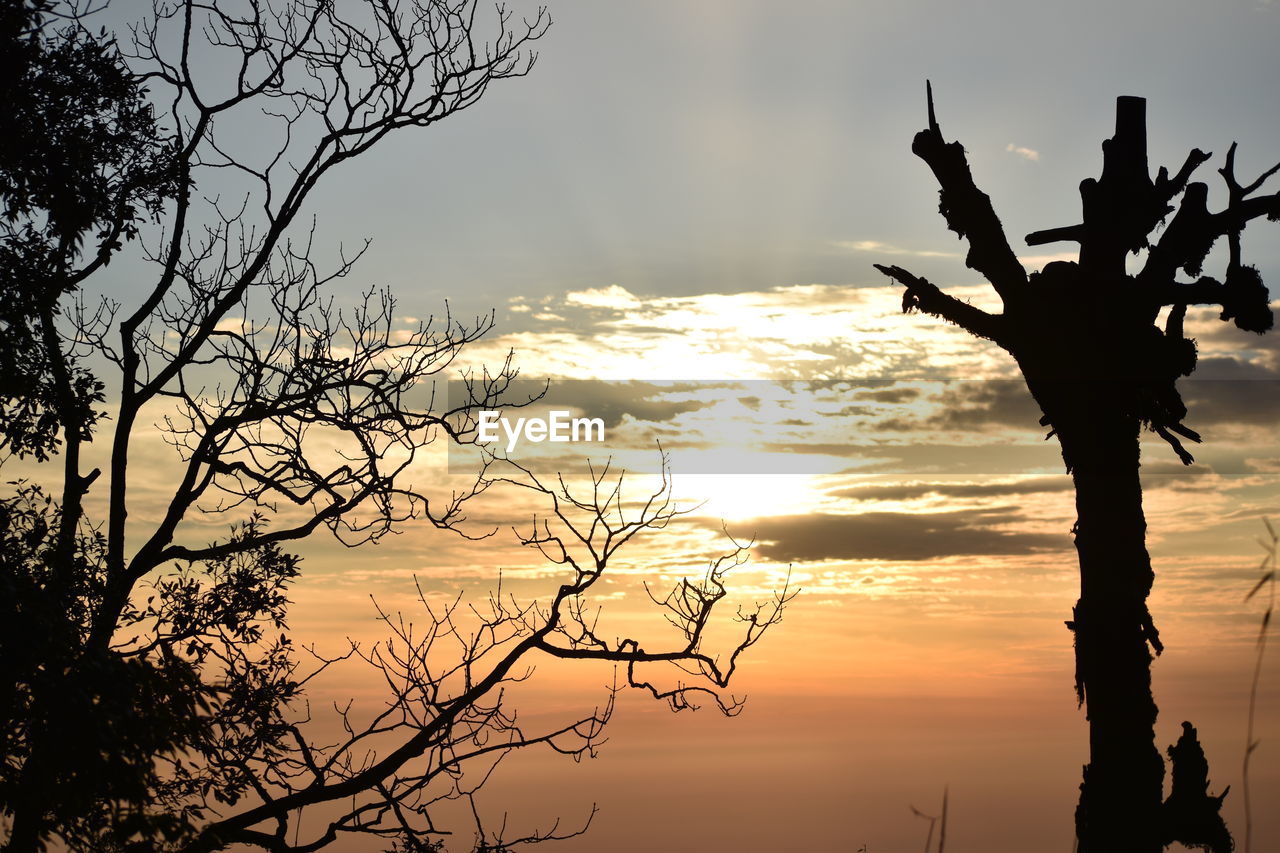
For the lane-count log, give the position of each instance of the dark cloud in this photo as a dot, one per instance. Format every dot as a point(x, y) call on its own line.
point(900, 394)
point(1238, 384)
point(962, 406)
point(1223, 391)
point(1000, 402)
point(1173, 475)
point(841, 385)
point(611, 400)
point(1225, 337)
point(1228, 367)
point(896, 536)
point(899, 425)
point(1243, 400)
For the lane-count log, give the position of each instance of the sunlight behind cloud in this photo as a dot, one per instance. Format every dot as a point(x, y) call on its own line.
point(737, 497)
point(612, 296)
point(801, 331)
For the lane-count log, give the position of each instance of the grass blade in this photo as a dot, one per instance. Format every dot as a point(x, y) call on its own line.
point(1260, 584)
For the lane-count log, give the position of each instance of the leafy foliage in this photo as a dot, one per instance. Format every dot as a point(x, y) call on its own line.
point(81, 158)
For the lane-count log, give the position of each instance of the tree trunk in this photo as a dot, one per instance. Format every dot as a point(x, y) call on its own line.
point(1122, 791)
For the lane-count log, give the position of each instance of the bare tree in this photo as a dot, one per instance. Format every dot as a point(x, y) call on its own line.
point(152, 693)
point(1084, 335)
point(446, 726)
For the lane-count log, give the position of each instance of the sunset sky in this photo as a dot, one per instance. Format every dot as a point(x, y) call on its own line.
point(676, 214)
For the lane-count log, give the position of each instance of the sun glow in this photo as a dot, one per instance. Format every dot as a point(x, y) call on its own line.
point(739, 497)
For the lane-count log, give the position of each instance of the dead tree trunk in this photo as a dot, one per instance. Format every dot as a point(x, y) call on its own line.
point(1085, 337)
point(1121, 792)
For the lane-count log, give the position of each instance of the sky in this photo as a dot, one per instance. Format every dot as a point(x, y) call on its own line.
point(675, 214)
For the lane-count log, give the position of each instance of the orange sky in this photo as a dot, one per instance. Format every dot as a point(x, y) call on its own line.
point(906, 665)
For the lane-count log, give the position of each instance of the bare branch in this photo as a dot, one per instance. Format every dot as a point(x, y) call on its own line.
point(968, 210)
point(922, 295)
point(445, 728)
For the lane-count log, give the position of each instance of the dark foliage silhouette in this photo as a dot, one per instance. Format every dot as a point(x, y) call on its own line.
point(81, 162)
point(1086, 338)
point(151, 696)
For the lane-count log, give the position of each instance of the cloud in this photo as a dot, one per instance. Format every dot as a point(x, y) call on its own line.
point(799, 331)
point(1040, 261)
point(1005, 402)
point(1155, 475)
point(923, 459)
point(1026, 153)
point(1228, 353)
point(970, 406)
point(643, 401)
point(900, 394)
point(899, 536)
point(879, 248)
point(1246, 400)
point(914, 491)
point(613, 296)
point(887, 249)
point(1226, 368)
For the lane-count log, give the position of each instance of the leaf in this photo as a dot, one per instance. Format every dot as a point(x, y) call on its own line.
point(1270, 529)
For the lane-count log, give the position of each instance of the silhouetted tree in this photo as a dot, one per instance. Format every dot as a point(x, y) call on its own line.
point(82, 163)
point(1084, 334)
point(150, 695)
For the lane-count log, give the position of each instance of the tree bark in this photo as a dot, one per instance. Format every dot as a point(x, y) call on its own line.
point(1122, 790)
